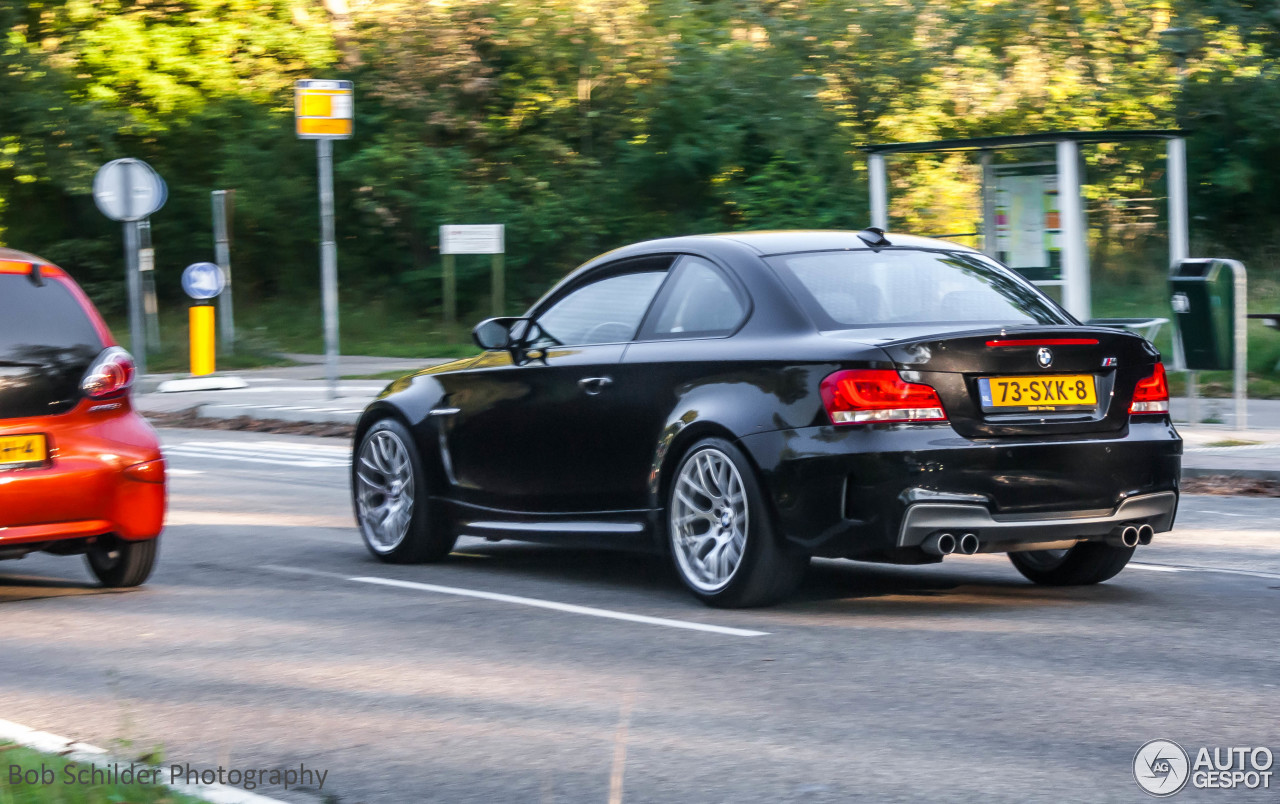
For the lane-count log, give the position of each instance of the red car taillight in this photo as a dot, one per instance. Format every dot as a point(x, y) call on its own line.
point(1152, 393)
point(863, 396)
point(110, 375)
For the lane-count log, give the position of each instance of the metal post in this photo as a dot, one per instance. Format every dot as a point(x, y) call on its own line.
point(499, 284)
point(990, 241)
point(1180, 246)
point(328, 265)
point(222, 256)
point(147, 274)
point(879, 191)
point(450, 296)
point(1176, 157)
point(1075, 244)
point(137, 342)
point(1240, 362)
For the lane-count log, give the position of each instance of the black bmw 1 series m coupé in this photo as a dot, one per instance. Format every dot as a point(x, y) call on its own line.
point(743, 402)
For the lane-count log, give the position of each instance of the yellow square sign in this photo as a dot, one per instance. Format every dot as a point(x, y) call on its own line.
point(324, 109)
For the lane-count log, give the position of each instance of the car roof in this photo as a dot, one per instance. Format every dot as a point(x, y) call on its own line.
point(769, 243)
point(13, 255)
point(760, 244)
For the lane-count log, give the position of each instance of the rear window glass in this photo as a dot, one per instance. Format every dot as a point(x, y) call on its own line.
point(43, 325)
point(700, 302)
point(845, 289)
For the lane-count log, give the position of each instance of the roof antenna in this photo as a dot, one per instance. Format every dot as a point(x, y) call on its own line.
point(874, 236)
point(36, 277)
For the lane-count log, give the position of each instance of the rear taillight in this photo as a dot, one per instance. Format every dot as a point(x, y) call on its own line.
point(863, 396)
point(1152, 393)
point(110, 375)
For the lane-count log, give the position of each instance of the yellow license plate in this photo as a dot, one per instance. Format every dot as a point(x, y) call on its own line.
point(1038, 393)
point(23, 449)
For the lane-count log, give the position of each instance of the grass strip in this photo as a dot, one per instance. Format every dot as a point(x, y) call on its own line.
point(32, 777)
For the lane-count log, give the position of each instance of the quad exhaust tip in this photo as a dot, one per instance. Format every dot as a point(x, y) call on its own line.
point(940, 544)
point(1145, 534)
point(968, 544)
point(1127, 536)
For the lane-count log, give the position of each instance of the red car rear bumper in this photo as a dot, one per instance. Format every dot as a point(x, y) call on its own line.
point(105, 474)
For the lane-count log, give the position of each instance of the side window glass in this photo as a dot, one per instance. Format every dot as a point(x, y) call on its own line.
point(700, 303)
point(608, 311)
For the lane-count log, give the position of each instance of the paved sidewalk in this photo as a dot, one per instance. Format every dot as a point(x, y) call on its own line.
point(301, 394)
point(289, 393)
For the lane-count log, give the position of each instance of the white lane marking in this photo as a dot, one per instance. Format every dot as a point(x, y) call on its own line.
point(1184, 568)
point(269, 445)
point(303, 571)
point(570, 608)
point(319, 390)
point(243, 406)
point(523, 601)
point(303, 464)
point(1219, 513)
point(274, 453)
point(170, 470)
point(84, 753)
point(1153, 567)
point(1242, 447)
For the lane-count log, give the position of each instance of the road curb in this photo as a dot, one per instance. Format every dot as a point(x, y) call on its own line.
point(1248, 474)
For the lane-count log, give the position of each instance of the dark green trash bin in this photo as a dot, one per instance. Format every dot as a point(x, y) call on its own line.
point(1203, 298)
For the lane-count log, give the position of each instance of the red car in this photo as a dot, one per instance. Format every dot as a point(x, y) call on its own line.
point(80, 470)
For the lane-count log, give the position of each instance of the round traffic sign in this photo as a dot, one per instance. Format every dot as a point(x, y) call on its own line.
point(203, 280)
point(128, 190)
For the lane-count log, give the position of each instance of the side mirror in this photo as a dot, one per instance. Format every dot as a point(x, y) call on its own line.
point(495, 333)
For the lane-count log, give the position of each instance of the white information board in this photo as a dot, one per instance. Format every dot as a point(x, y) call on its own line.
point(472, 239)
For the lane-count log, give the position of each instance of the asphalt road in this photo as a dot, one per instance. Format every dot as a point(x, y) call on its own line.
point(255, 645)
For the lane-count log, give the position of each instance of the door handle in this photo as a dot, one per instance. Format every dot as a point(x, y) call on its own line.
point(594, 385)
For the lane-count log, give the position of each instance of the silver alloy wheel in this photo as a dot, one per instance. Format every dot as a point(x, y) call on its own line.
point(708, 519)
point(384, 490)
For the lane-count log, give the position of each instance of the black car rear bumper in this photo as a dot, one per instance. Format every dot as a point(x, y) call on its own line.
point(876, 492)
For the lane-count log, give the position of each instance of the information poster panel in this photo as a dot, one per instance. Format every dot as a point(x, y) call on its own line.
point(1028, 234)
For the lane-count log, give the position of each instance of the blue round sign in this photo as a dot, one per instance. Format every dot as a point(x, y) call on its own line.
point(203, 280)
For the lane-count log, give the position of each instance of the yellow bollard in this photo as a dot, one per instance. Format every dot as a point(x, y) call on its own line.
point(202, 339)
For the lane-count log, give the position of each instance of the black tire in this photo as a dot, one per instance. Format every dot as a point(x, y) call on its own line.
point(1084, 564)
point(427, 535)
point(118, 563)
point(766, 571)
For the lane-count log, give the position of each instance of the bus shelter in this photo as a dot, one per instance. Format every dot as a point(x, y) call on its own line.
point(1015, 195)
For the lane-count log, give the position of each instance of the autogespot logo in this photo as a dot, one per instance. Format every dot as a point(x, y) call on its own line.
point(1161, 768)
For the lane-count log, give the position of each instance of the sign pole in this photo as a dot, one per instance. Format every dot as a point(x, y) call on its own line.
point(324, 111)
point(222, 256)
point(328, 264)
point(147, 269)
point(129, 191)
point(450, 297)
point(498, 285)
point(133, 281)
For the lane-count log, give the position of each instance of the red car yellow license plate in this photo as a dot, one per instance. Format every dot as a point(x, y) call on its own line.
point(1069, 390)
point(23, 449)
